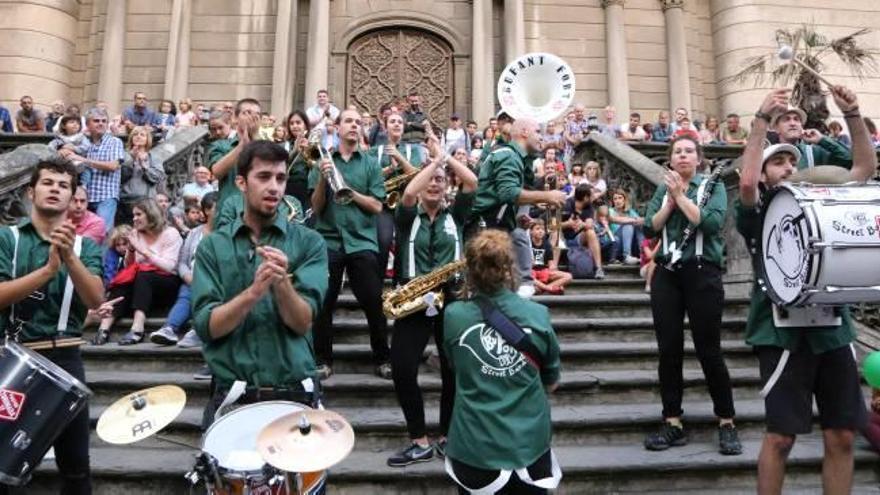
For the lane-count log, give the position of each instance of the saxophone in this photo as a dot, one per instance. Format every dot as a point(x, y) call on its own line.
point(418, 294)
point(394, 188)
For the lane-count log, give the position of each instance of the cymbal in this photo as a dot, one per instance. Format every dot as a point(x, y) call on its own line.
point(822, 174)
point(306, 441)
point(141, 414)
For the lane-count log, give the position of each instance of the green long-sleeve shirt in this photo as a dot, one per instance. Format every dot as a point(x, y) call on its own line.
point(826, 152)
point(502, 178)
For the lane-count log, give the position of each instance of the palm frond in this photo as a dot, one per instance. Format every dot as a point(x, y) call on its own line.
point(858, 59)
point(754, 67)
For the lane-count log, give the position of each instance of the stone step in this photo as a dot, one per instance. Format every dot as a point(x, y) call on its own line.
point(586, 329)
point(599, 305)
point(384, 427)
point(576, 387)
point(608, 468)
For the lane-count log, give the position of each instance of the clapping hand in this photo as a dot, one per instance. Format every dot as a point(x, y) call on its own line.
point(674, 185)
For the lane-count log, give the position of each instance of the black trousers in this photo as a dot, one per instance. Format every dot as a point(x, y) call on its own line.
point(385, 237)
point(363, 275)
point(408, 343)
point(698, 292)
point(149, 289)
point(72, 446)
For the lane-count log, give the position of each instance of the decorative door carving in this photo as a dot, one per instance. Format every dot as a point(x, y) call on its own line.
point(387, 64)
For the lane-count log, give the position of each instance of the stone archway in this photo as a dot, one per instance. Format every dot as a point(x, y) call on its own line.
point(388, 63)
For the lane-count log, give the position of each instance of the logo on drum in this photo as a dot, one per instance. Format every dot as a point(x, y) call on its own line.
point(498, 358)
point(11, 403)
point(786, 249)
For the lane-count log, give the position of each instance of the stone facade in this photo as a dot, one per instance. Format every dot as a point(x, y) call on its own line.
point(643, 55)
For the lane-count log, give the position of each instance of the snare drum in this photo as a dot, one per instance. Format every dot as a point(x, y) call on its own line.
point(37, 401)
point(820, 245)
point(232, 442)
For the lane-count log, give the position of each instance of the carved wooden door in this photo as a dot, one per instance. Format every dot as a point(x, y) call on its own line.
point(387, 64)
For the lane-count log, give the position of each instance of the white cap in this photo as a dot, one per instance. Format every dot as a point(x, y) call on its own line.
point(781, 148)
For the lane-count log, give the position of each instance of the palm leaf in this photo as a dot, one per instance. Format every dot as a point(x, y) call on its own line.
point(858, 59)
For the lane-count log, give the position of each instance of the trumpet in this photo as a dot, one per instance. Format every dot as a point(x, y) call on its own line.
point(394, 188)
point(314, 154)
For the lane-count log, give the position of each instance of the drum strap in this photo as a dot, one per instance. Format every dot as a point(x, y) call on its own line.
point(68, 290)
point(14, 230)
point(780, 367)
point(808, 151)
point(235, 392)
point(699, 245)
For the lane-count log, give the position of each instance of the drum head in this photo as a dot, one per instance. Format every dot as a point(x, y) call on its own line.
point(784, 246)
point(51, 370)
point(232, 439)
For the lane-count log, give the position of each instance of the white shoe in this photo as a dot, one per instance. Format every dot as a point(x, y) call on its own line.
point(526, 291)
point(631, 260)
point(190, 340)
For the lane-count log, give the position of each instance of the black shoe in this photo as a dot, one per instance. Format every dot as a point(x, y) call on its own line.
point(384, 371)
point(668, 436)
point(203, 374)
point(440, 448)
point(131, 338)
point(728, 440)
point(101, 337)
point(410, 455)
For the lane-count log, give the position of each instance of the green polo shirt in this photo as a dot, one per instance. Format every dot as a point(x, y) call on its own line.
point(348, 228)
point(711, 223)
point(290, 208)
point(827, 151)
point(436, 243)
point(41, 309)
point(760, 329)
point(502, 414)
point(261, 351)
point(413, 150)
point(502, 179)
point(226, 186)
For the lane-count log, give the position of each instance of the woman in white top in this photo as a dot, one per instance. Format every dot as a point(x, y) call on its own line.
point(185, 116)
point(595, 180)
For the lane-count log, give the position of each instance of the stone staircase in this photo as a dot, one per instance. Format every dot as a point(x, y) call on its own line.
point(608, 399)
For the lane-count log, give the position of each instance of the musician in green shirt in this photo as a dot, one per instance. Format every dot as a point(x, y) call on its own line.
point(688, 281)
point(501, 427)
point(37, 259)
point(430, 237)
point(258, 284)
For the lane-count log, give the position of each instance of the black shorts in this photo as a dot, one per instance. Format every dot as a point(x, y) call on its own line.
point(832, 377)
point(543, 474)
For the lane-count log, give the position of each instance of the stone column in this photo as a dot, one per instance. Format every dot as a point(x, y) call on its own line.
point(177, 63)
point(112, 56)
point(676, 55)
point(514, 30)
point(482, 64)
point(318, 54)
point(615, 53)
point(284, 61)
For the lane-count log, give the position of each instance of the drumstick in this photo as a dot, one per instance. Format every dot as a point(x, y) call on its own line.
point(68, 342)
point(787, 53)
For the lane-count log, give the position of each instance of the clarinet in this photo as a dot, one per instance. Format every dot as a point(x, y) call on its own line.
point(690, 231)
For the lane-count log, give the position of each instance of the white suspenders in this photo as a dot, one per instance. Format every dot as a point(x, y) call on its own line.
point(808, 152)
point(448, 225)
point(381, 149)
point(699, 241)
point(66, 299)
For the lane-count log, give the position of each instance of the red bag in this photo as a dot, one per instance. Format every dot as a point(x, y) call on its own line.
point(127, 275)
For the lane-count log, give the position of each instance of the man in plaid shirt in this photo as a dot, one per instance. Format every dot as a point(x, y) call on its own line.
point(103, 154)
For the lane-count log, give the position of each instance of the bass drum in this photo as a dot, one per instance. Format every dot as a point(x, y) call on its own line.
point(820, 245)
point(232, 442)
point(37, 401)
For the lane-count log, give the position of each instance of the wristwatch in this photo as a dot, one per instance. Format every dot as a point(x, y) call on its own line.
point(761, 115)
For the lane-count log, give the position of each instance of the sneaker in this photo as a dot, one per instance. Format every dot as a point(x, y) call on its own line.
point(323, 371)
point(190, 340)
point(164, 336)
point(600, 274)
point(631, 260)
point(203, 374)
point(384, 371)
point(728, 440)
point(667, 436)
point(410, 455)
point(440, 448)
point(526, 291)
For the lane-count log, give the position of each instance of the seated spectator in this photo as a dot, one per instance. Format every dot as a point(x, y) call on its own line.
point(170, 332)
point(149, 279)
point(837, 133)
point(646, 261)
point(577, 175)
point(142, 173)
point(139, 114)
point(87, 224)
point(649, 130)
point(548, 165)
point(193, 192)
point(545, 261)
point(552, 136)
point(166, 118)
point(597, 184)
point(662, 131)
point(185, 116)
point(626, 227)
point(633, 131)
point(602, 225)
point(732, 132)
point(685, 129)
point(117, 249)
point(711, 133)
point(70, 132)
point(28, 119)
point(203, 114)
point(680, 114)
point(872, 130)
point(608, 125)
point(53, 116)
point(584, 252)
point(6, 121)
